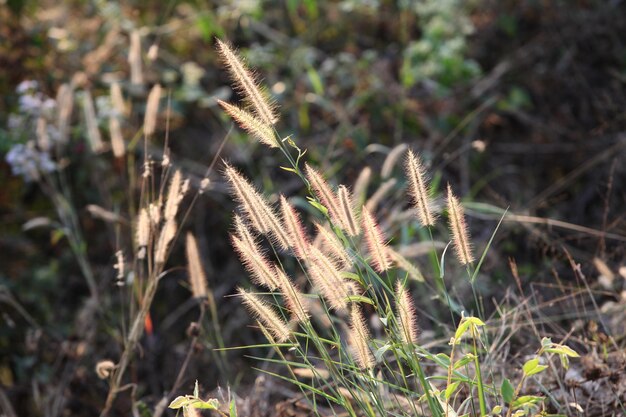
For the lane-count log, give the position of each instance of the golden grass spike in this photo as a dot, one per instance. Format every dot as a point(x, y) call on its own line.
point(297, 238)
point(407, 321)
point(266, 314)
point(174, 196)
point(65, 104)
point(91, 124)
point(256, 208)
point(296, 304)
point(325, 194)
point(418, 189)
point(392, 158)
point(458, 227)
point(326, 276)
point(243, 232)
point(152, 111)
point(134, 58)
point(330, 245)
point(359, 339)
point(359, 191)
point(142, 235)
point(347, 213)
point(247, 83)
point(256, 264)
point(380, 193)
point(117, 140)
point(252, 124)
point(403, 263)
point(375, 242)
point(197, 277)
point(165, 238)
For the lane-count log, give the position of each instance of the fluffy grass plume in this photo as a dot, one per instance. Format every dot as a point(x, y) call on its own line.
point(252, 124)
point(325, 194)
point(266, 314)
point(174, 196)
point(407, 321)
point(326, 276)
point(358, 340)
point(375, 242)
point(256, 264)
point(331, 246)
point(458, 227)
point(163, 243)
point(197, 277)
point(418, 189)
point(347, 213)
point(246, 82)
point(256, 208)
point(152, 111)
point(296, 304)
point(296, 235)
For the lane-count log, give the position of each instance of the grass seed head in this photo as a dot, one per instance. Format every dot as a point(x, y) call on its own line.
point(197, 277)
point(252, 124)
point(375, 242)
point(458, 227)
point(248, 85)
point(418, 189)
point(407, 321)
point(266, 314)
point(359, 339)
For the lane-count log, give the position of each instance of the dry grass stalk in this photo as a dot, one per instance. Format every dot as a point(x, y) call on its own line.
point(382, 191)
point(152, 111)
point(458, 227)
point(266, 314)
point(256, 264)
point(43, 139)
point(327, 278)
point(297, 238)
point(197, 277)
point(406, 265)
point(347, 213)
point(134, 58)
point(117, 100)
point(65, 105)
point(407, 321)
point(256, 208)
point(329, 244)
point(296, 304)
point(358, 340)
point(253, 125)
point(325, 194)
point(390, 162)
point(174, 196)
point(375, 242)
point(419, 190)
point(359, 190)
point(117, 140)
point(245, 80)
point(91, 124)
point(165, 238)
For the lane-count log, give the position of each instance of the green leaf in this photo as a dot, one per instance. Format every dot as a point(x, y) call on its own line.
point(451, 389)
point(464, 360)
point(360, 299)
point(496, 410)
point(178, 402)
point(318, 206)
point(507, 391)
point(381, 351)
point(527, 400)
point(532, 367)
point(288, 169)
point(233, 408)
point(562, 350)
point(444, 359)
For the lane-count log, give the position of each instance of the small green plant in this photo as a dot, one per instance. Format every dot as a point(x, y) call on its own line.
point(349, 271)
